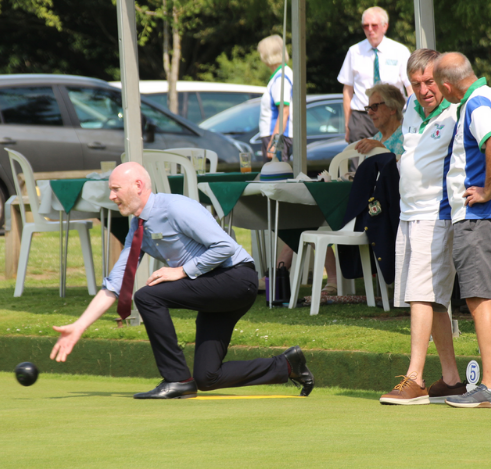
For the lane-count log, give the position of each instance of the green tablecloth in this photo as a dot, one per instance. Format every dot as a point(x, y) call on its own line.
point(332, 199)
point(221, 180)
point(68, 191)
point(228, 193)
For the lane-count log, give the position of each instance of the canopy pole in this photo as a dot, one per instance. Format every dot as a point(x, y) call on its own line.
point(424, 18)
point(130, 92)
point(298, 108)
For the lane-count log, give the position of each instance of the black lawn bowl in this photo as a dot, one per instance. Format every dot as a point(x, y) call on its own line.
point(26, 373)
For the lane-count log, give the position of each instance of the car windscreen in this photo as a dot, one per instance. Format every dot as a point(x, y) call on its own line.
point(236, 120)
point(100, 108)
point(97, 108)
point(163, 122)
point(33, 105)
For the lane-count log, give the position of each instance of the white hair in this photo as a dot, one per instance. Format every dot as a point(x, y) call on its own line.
point(376, 11)
point(271, 49)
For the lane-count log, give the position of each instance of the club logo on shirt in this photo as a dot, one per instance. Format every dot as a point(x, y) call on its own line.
point(391, 61)
point(438, 132)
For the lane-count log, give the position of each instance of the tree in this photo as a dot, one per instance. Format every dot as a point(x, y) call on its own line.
point(176, 16)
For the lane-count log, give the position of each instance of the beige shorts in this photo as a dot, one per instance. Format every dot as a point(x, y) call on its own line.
point(424, 265)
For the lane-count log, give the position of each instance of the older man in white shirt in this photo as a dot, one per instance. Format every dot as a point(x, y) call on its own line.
point(376, 59)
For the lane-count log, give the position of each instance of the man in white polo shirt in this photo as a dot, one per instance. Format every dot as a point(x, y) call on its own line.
point(424, 269)
point(376, 59)
point(469, 192)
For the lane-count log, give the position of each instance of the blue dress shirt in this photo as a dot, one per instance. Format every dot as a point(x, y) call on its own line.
point(181, 233)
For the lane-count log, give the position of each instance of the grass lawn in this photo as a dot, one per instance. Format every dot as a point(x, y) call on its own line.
point(337, 327)
point(93, 422)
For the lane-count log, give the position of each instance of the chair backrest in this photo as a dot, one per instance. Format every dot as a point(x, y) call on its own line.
point(339, 164)
point(30, 184)
point(211, 156)
point(154, 162)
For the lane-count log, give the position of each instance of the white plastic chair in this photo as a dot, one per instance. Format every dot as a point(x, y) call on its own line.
point(161, 163)
point(209, 155)
point(339, 164)
point(154, 162)
point(41, 225)
point(321, 240)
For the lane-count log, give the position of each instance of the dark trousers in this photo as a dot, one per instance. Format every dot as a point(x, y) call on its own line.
point(221, 298)
point(360, 126)
point(285, 154)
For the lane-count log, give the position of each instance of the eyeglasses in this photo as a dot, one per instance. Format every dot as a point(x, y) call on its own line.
point(373, 107)
point(367, 26)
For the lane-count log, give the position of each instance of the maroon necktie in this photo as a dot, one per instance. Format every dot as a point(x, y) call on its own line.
point(124, 302)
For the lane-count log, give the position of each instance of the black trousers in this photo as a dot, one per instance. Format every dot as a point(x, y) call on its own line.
point(360, 126)
point(221, 298)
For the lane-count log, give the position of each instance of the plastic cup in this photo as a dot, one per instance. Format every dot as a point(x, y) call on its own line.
point(245, 162)
point(107, 166)
point(199, 163)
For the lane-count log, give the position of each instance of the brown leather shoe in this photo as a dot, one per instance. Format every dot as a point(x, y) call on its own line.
point(440, 390)
point(407, 392)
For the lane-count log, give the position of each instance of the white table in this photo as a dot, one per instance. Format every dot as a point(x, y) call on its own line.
point(251, 212)
point(93, 202)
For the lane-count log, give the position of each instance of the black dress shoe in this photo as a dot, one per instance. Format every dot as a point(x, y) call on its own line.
point(300, 374)
point(170, 390)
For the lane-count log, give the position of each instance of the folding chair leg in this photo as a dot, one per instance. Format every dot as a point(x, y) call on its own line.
point(297, 272)
point(83, 233)
point(306, 265)
point(345, 286)
point(151, 265)
point(25, 249)
point(383, 287)
point(320, 256)
point(367, 274)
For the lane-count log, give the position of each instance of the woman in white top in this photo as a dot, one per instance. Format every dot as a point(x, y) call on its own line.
point(271, 51)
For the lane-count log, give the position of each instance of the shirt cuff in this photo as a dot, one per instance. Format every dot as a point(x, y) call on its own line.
point(106, 285)
point(191, 270)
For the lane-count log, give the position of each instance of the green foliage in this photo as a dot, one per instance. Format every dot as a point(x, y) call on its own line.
point(70, 36)
point(43, 9)
point(243, 67)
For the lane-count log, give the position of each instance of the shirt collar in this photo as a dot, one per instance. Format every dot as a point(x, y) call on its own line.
point(477, 84)
point(276, 71)
point(145, 215)
point(382, 46)
point(437, 111)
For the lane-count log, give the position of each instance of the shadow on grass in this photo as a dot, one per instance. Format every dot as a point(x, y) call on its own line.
point(46, 301)
point(126, 395)
point(359, 394)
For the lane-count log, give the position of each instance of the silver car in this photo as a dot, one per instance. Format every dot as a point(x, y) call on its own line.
point(324, 115)
point(63, 122)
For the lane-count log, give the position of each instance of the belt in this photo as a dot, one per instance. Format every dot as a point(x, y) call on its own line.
point(361, 112)
point(249, 264)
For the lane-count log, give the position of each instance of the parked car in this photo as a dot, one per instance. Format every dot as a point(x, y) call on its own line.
point(325, 120)
point(325, 150)
point(62, 122)
point(199, 100)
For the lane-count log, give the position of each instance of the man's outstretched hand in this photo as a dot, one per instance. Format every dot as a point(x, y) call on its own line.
point(69, 337)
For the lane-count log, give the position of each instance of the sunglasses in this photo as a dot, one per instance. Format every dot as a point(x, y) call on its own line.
point(373, 107)
point(367, 26)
